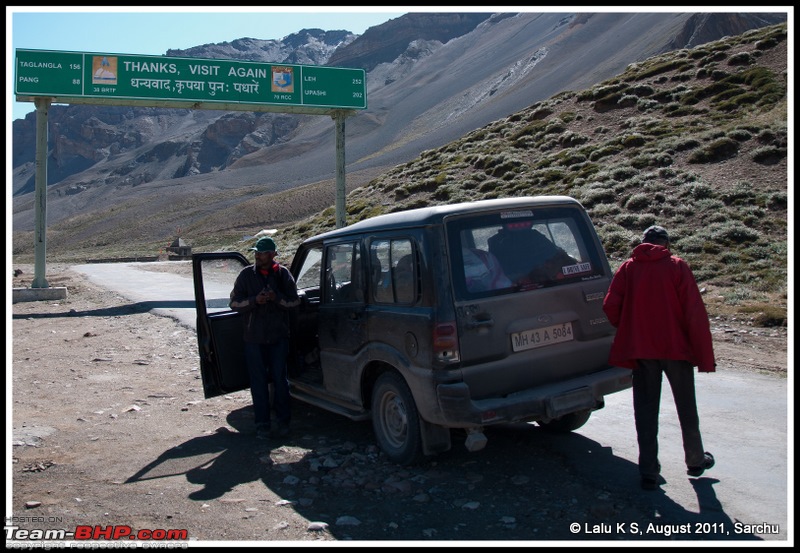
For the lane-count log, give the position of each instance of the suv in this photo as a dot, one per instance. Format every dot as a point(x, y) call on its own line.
point(433, 319)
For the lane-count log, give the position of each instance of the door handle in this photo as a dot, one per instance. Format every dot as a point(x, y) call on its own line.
point(480, 323)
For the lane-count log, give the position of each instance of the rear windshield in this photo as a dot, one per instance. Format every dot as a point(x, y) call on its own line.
point(512, 251)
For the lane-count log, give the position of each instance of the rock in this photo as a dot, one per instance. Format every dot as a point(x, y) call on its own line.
point(317, 526)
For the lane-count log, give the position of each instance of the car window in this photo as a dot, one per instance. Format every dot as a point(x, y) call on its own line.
point(310, 273)
point(521, 250)
point(219, 276)
point(343, 274)
point(393, 271)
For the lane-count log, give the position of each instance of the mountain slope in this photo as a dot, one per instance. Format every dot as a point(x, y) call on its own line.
point(245, 165)
point(695, 140)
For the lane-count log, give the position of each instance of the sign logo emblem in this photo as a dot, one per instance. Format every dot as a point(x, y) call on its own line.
point(282, 79)
point(104, 70)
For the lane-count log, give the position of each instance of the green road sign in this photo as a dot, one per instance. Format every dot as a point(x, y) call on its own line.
point(66, 75)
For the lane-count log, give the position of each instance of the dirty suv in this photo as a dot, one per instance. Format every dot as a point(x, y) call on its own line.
point(437, 321)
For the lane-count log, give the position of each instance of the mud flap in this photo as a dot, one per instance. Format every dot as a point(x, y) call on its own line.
point(435, 438)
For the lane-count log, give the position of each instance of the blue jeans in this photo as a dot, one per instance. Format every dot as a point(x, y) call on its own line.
point(267, 362)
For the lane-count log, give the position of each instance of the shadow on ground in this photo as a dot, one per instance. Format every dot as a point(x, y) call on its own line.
point(118, 310)
point(523, 486)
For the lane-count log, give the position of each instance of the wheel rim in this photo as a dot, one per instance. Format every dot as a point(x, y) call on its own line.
point(394, 419)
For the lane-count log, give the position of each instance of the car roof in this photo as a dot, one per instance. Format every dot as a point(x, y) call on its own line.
point(435, 214)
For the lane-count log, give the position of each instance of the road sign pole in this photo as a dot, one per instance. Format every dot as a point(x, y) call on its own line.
point(40, 237)
point(341, 215)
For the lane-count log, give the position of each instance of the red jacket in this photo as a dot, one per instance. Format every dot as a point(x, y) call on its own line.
point(656, 306)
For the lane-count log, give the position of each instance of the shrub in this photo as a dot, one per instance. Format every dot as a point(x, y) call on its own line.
point(732, 233)
point(623, 173)
point(777, 201)
point(571, 139)
point(741, 193)
point(599, 195)
point(605, 151)
point(616, 240)
point(603, 210)
point(699, 191)
point(645, 104)
point(633, 140)
point(627, 101)
point(740, 134)
point(694, 244)
point(768, 155)
point(718, 150)
point(742, 58)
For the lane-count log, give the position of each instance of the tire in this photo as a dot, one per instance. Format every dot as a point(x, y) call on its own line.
point(395, 419)
point(567, 423)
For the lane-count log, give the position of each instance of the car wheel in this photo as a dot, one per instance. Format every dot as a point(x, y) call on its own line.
point(395, 420)
point(567, 423)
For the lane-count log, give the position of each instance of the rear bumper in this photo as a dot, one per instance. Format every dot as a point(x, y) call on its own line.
point(542, 403)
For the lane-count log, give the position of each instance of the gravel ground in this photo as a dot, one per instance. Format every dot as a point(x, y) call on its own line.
point(110, 428)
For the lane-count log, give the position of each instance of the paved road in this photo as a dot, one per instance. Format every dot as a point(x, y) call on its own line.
point(744, 418)
point(169, 294)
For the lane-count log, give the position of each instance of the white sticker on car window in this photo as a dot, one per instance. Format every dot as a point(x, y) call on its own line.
point(576, 269)
point(516, 214)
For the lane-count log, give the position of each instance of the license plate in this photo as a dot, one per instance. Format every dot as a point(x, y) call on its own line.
point(540, 337)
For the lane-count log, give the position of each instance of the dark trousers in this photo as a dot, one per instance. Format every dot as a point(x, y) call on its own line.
point(265, 363)
point(646, 404)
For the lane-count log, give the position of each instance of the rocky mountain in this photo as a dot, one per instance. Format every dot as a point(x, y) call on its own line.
point(307, 47)
point(431, 78)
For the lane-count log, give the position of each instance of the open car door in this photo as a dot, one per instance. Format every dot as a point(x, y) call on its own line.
point(219, 328)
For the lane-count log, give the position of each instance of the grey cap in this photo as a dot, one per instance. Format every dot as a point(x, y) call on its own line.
point(655, 234)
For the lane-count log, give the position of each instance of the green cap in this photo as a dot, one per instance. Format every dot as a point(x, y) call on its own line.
point(265, 244)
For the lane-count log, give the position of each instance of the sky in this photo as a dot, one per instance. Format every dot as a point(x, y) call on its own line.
point(153, 30)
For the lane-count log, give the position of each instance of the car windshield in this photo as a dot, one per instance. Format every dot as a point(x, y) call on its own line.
point(512, 251)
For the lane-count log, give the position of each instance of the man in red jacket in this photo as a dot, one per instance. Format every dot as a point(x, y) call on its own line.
point(662, 327)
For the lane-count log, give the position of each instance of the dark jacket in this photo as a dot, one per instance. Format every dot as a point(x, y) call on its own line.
point(269, 322)
point(655, 303)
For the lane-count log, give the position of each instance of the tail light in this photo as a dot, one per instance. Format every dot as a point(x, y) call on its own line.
point(445, 342)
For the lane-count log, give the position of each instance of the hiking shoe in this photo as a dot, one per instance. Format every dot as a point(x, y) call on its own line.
point(649, 484)
point(708, 462)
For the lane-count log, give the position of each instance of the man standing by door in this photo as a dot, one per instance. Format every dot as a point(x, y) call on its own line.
point(263, 293)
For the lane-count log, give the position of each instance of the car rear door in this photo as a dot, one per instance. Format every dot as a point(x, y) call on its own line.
point(536, 317)
point(219, 328)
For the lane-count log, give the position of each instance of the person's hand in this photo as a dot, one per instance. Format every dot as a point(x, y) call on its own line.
point(265, 296)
